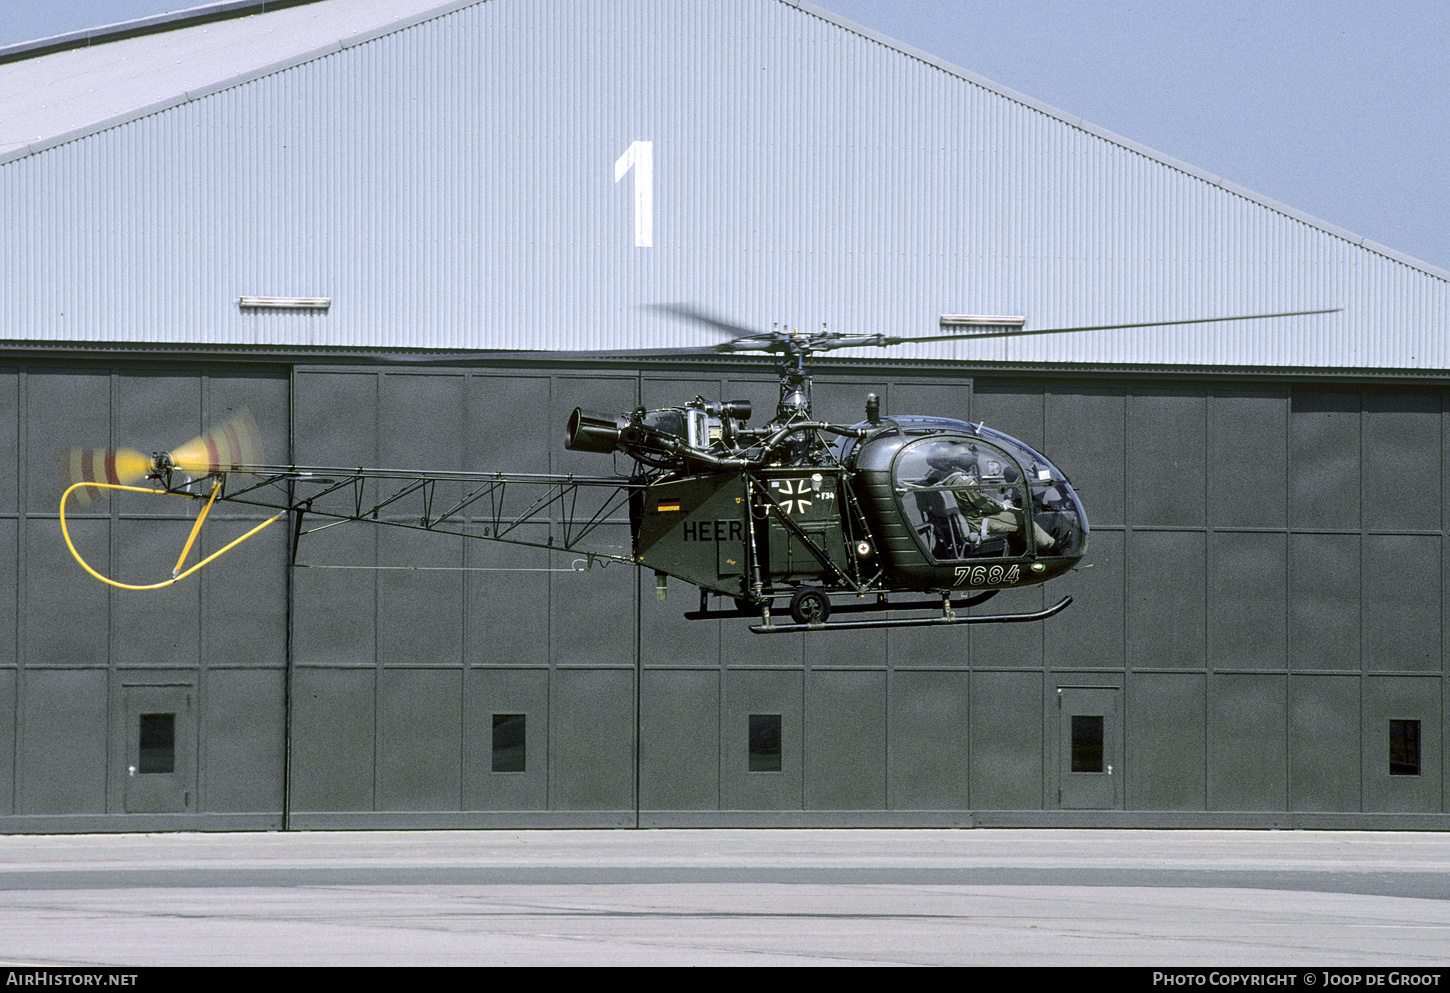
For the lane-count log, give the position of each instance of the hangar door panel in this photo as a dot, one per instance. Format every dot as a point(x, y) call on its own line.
point(160, 749)
point(1089, 737)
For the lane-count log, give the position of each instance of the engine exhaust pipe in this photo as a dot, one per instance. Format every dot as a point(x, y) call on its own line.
point(590, 431)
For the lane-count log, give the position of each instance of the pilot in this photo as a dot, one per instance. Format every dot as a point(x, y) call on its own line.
point(983, 511)
point(948, 458)
point(948, 530)
point(987, 513)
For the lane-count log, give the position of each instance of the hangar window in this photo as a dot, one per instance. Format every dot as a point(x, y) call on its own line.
point(508, 742)
point(1404, 748)
point(765, 743)
point(157, 752)
point(1087, 743)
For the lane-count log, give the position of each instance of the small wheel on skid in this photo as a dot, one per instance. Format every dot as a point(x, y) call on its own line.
point(810, 606)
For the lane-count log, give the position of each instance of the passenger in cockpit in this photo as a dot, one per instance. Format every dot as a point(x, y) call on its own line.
point(1008, 516)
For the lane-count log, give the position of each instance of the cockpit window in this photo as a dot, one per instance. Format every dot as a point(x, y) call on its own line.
point(1034, 466)
point(964, 498)
point(968, 499)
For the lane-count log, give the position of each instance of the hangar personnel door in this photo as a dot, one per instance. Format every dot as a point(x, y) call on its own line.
point(1089, 748)
point(160, 768)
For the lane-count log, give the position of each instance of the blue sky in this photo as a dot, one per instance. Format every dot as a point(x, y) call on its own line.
point(1333, 107)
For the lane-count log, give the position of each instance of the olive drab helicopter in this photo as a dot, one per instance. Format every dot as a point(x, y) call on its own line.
point(894, 514)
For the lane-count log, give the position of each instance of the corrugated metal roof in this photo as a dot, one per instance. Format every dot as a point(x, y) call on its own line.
point(446, 175)
point(152, 24)
point(55, 97)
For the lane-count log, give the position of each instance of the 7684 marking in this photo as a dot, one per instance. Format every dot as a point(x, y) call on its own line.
point(986, 575)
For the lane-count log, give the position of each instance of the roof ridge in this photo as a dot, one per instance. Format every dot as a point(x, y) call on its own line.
point(153, 24)
point(1163, 158)
point(236, 9)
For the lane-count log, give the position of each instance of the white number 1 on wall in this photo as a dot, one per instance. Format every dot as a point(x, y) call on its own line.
point(640, 157)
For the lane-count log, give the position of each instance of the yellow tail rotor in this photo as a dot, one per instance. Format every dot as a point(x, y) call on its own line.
point(89, 471)
point(116, 466)
point(235, 443)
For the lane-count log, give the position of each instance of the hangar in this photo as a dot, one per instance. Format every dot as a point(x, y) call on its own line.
point(283, 205)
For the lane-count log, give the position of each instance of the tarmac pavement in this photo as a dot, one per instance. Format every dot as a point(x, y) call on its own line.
point(1291, 899)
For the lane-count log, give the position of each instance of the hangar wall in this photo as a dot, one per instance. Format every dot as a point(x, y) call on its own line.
point(86, 660)
point(1261, 622)
point(1262, 614)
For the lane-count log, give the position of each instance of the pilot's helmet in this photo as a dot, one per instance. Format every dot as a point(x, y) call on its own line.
point(939, 455)
point(950, 456)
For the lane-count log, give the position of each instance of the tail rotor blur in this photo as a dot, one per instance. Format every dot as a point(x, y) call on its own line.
point(237, 442)
point(117, 466)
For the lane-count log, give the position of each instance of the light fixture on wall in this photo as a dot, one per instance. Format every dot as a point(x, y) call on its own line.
point(980, 321)
point(285, 303)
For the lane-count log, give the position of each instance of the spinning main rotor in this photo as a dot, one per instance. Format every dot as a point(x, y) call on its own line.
point(793, 349)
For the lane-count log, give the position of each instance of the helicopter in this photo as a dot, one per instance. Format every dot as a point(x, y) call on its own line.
point(795, 514)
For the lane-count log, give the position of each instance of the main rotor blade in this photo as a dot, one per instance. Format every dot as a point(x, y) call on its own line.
point(893, 340)
point(495, 355)
point(687, 312)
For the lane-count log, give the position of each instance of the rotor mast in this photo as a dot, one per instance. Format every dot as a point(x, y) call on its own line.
point(795, 380)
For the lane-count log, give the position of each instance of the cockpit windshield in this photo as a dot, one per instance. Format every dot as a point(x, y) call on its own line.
point(971, 499)
point(1036, 468)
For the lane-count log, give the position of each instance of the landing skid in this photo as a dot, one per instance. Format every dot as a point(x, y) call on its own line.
point(870, 607)
point(947, 616)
